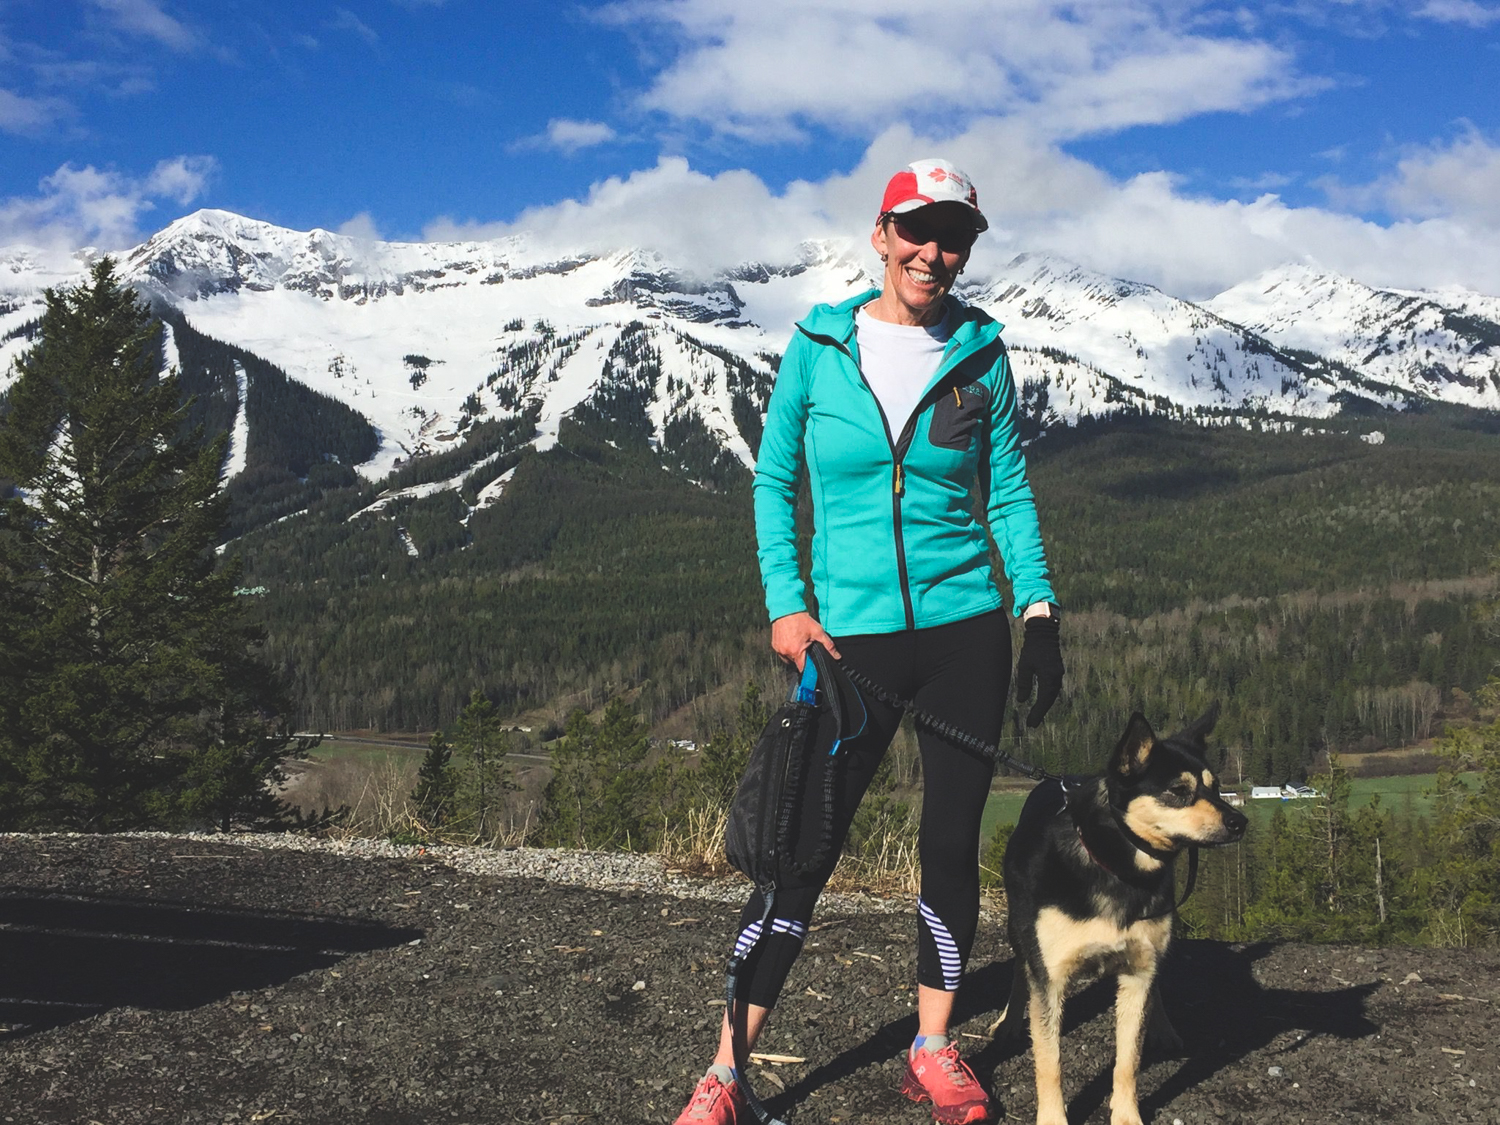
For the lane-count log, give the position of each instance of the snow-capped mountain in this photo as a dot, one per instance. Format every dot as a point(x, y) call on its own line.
point(426, 339)
point(1434, 345)
point(1097, 339)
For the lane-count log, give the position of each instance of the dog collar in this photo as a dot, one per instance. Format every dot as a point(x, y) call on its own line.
point(1090, 853)
point(1140, 844)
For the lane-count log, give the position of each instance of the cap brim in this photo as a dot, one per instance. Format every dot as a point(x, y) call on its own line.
point(981, 224)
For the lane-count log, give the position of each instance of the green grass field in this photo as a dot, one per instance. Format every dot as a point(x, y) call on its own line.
point(1408, 795)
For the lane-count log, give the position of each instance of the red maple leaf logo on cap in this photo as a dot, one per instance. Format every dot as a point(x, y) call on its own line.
point(938, 174)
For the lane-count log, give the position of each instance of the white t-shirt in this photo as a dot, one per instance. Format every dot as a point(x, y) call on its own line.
point(898, 361)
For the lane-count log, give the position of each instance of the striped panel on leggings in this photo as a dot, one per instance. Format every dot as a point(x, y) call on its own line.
point(947, 949)
point(751, 933)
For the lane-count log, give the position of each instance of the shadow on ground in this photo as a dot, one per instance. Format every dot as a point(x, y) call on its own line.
point(65, 957)
point(1210, 994)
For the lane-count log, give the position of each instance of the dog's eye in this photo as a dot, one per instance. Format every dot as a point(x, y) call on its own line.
point(1182, 791)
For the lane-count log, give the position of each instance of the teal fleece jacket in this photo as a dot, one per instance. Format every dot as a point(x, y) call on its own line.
point(895, 544)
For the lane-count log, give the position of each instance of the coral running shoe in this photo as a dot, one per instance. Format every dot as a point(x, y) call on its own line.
point(715, 1103)
point(942, 1078)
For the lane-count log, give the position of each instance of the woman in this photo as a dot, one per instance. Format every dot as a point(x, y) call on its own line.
point(900, 406)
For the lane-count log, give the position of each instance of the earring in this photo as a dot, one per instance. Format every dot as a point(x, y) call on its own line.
point(883, 257)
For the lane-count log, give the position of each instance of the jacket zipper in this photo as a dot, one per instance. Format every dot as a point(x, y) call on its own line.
point(899, 448)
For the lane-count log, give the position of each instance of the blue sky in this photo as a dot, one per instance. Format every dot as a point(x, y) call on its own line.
point(1183, 143)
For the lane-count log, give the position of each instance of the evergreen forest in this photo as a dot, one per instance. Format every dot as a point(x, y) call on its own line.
point(1322, 587)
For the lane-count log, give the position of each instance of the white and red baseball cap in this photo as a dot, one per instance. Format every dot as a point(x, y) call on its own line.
point(924, 182)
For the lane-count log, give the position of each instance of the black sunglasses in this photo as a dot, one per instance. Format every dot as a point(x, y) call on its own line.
point(919, 232)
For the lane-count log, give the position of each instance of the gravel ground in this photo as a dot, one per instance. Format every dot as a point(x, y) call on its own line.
point(169, 979)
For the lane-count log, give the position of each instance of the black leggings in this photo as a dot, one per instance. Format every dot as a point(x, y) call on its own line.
point(959, 672)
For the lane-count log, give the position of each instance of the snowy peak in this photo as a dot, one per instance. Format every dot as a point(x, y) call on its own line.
point(429, 341)
point(217, 252)
point(1430, 344)
point(211, 252)
point(1027, 279)
point(1110, 340)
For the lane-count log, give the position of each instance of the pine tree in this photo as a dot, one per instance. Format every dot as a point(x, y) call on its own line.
point(1463, 886)
point(602, 793)
point(481, 744)
point(437, 782)
point(726, 754)
point(132, 694)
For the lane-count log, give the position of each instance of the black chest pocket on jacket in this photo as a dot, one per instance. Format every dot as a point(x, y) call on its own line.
point(954, 417)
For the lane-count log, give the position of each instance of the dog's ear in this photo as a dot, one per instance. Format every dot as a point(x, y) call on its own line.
point(1129, 759)
point(1195, 734)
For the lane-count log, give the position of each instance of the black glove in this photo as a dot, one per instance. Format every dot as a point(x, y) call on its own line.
point(1041, 660)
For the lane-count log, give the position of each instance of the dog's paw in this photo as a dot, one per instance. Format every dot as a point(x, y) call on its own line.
point(1125, 1115)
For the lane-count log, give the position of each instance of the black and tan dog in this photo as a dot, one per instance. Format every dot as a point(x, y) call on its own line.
point(1089, 884)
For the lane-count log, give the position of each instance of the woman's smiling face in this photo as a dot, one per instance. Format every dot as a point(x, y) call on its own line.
point(924, 250)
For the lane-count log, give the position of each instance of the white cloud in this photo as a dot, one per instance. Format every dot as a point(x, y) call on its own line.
point(1037, 197)
point(697, 221)
point(1460, 11)
point(1458, 180)
point(567, 135)
point(767, 70)
point(361, 228)
point(29, 116)
point(1147, 230)
point(570, 136)
point(146, 18)
point(181, 179)
point(100, 207)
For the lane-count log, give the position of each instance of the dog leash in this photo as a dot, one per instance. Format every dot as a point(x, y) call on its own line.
point(995, 754)
point(990, 751)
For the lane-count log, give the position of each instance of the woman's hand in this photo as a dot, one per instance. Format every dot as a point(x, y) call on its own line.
point(1041, 664)
point(790, 636)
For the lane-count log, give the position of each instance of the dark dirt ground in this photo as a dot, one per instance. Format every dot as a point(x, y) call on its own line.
point(165, 981)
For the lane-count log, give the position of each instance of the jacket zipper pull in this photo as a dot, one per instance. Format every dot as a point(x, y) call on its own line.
point(900, 483)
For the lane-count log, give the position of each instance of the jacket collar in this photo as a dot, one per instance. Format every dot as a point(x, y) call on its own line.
point(972, 328)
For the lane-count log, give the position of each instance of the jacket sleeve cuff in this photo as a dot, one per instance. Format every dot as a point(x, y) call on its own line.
point(786, 601)
point(1029, 595)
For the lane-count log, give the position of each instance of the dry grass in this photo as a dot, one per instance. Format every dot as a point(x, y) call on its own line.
point(696, 844)
point(887, 864)
point(377, 795)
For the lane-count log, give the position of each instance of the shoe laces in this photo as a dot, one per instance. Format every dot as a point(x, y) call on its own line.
point(709, 1091)
point(952, 1065)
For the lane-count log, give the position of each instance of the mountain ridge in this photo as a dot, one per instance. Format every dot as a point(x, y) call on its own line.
point(425, 340)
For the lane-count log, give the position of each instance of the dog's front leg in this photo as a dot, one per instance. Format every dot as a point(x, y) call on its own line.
point(1131, 999)
point(1046, 1010)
